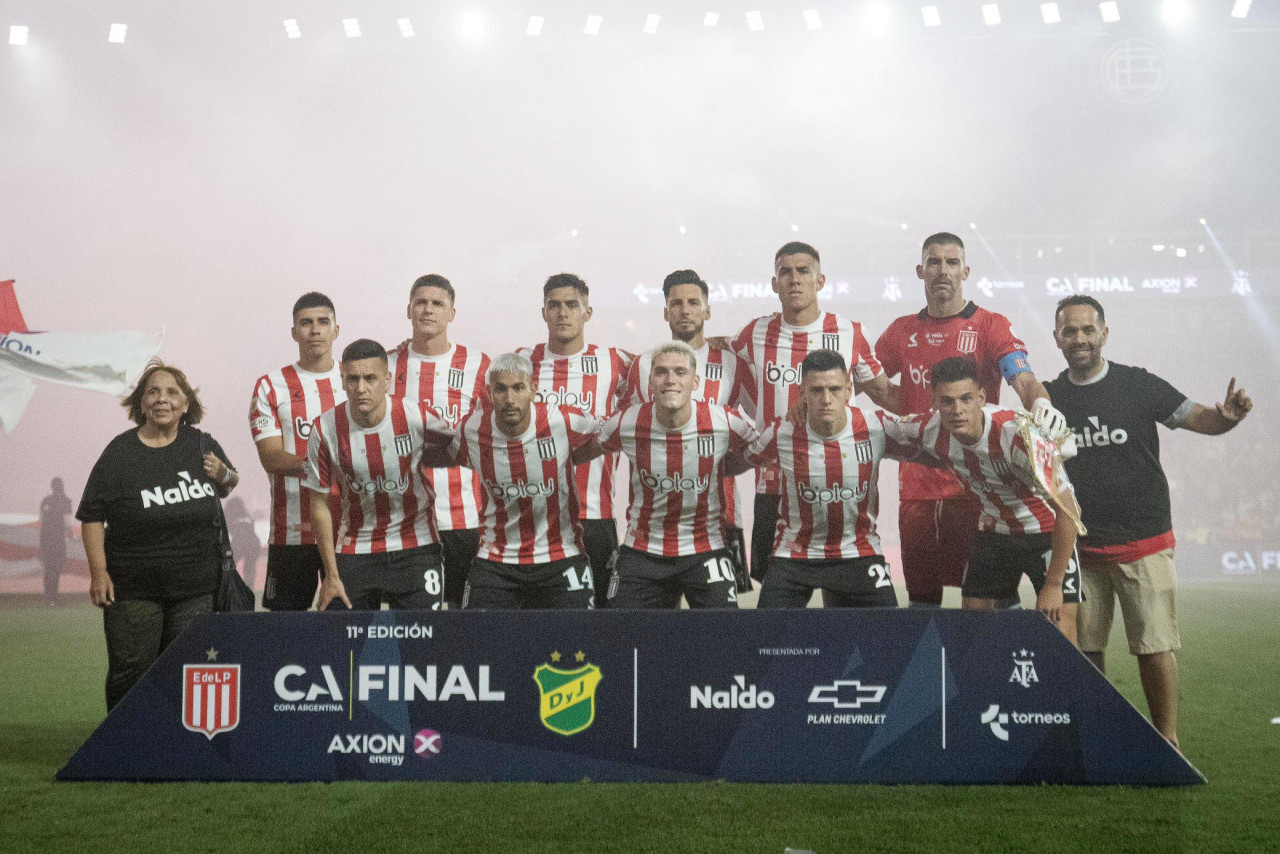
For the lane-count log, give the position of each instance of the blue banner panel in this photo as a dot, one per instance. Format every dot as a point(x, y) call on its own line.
point(811, 696)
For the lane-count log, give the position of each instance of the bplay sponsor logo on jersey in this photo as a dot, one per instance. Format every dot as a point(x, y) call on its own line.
point(301, 427)
point(1100, 435)
point(188, 489)
point(739, 695)
point(919, 374)
point(382, 483)
point(1001, 723)
point(447, 414)
point(781, 374)
point(836, 493)
point(1024, 668)
point(505, 490)
point(847, 694)
point(319, 690)
point(567, 697)
point(380, 748)
point(564, 397)
point(211, 697)
point(665, 483)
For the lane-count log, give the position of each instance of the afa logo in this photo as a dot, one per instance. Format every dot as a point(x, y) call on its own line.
point(211, 697)
point(568, 697)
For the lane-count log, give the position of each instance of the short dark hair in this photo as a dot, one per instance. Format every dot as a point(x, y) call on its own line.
point(954, 370)
point(684, 277)
point(1080, 299)
point(313, 299)
point(565, 280)
point(823, 360)
point(942, 238)
point(432, 280)
point(133, 403)
point(795, 247)
point(364, 348)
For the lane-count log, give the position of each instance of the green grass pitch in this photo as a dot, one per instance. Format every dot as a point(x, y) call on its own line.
point(53, 660)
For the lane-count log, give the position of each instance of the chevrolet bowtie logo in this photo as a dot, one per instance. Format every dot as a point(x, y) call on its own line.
point(847, 694)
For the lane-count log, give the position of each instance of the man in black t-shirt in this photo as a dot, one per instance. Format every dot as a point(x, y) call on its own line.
point(1113, 411)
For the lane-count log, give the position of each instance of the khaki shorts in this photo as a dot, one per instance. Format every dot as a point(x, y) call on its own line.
point(1145, 589)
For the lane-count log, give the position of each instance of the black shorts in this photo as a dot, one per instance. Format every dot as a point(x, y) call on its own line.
point(999, 561)
point(861, 582)
point(643, 580)
point(293, 574)
point(412, 578)
point(735, 541)
point(600, 539)
point(764, 528)
point(458, 550)
point(559, 584)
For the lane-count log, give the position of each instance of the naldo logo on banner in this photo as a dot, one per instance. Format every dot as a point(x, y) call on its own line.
point(739, 695)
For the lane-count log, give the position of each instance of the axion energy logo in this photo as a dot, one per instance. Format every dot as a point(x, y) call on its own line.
point(210, 698)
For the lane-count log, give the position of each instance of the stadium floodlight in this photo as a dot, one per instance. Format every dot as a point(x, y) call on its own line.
point(17, 35)
point(973, 226)
point(351, 26)
point(684, 230)
point(651, 22)
point(812, 19)
point(573, 233)
point(593, 25)
point(1110, 11)
point(903, 226)
point(711, 19)
point(471, 26)
point(755, 22)
point(1241, 9)
point(1050, 13)
point(291, 28)
point(794, 227)
point(1157, 247)
point(535, 25)
point(876, 18)
point(931, 16)
point(406, 27)
point(990, 14)
point(1175, 13)
point(117, 33)
point(1180, 252)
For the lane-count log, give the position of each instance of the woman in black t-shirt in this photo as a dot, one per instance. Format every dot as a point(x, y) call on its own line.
point(150, 525)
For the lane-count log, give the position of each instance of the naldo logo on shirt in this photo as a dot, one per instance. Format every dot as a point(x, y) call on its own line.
point(186, 490)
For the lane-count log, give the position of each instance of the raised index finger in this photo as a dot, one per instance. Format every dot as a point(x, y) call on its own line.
point(1231, 388)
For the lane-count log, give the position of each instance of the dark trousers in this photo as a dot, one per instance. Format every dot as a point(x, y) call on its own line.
point(600, 539)
point(763, 529)
point(138, 630)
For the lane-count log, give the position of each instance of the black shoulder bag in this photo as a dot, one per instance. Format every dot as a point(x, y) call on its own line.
point(232, 593)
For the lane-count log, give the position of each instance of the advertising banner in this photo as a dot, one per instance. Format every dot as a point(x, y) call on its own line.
point(812, 696)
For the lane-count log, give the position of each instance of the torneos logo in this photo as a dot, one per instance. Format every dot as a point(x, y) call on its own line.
point(508, 490)
point(564, 397)
point(836, 493)
point(382, 483)
point(998, 720)
point(781, 374)
point(426, 743)
point(664, 483)
point(1100, 435)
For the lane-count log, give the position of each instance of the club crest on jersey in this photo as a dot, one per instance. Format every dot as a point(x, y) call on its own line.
point(455, 378)
point(862, 452)
point(712, 372)
point(567, 698)
point(706, 446)
point(547, 448)
point(404, 446)
point(210, 698)
point(590, 365)
point(831, 341)
point(967, 341)
point(1003, 469)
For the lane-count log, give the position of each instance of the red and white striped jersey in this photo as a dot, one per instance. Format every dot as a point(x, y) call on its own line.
point(675, 506)
point(830, 497)
point(997, 469)
point(450, 385)
point(724, 379)
point(593, 382)
point(913, 344)
point(387, 504)
point(529, 510)
point(285, 403)
point(775, 349)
